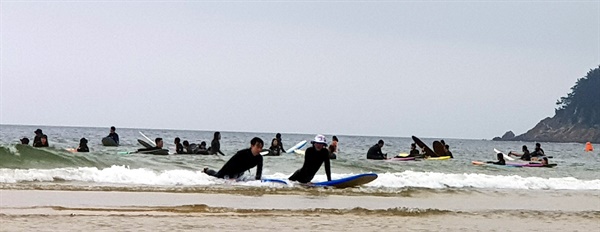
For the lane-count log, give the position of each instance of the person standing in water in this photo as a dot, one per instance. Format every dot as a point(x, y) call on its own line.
point(314, 157)
point(241, 162)
point(43, 142)
point(275, 148)
point(215, 145)
point(24, 141)
point(83, 147)
point(279, 143)
point(178, 146)
point(333, 148)
point(38, 137)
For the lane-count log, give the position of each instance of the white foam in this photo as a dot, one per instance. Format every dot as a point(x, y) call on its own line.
point(434, 180)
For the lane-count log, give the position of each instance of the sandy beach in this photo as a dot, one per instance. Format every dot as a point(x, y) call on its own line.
point(158, 211)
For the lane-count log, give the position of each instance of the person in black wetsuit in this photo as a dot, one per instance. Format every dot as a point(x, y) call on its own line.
point(500, 161)
point(113, 135)
point(375, 151)
point(538, 151)
point(526, 155)
point(159, 146)
point(38, 138)
point(202, 149)
point(314, 157)
point(215, 145)
point(413, 152)
point(280, 144)
point(178, 146)
point(275, 148)
point(43, 142)
point(83, 147)
point(241, 162)
point(448, 152)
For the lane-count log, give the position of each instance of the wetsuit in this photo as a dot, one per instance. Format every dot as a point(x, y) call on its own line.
point(114, 136)
point(280, 145)
point(500, 162)
point(241, 162)
point(215, 147)
point(312, 162)
point(83, 148)
point(449, 153)
point(538, 152)
point(37, 140)
point(375, 153)
point(414, 153)
point(179, 148)
point(526, 156)
point(275, 150)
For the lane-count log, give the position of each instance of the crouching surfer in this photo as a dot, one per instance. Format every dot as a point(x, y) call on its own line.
point(314, 157)
point(241, 162)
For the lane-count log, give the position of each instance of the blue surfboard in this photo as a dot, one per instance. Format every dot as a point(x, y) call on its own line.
point(348, 182)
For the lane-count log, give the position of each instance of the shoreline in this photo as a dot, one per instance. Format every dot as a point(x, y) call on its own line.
point(43, 210)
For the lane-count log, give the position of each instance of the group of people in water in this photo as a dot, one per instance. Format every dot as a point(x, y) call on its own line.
point(538, 154)
point(375, 152)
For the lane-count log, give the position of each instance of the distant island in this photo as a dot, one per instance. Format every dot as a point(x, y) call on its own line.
point(576, 119)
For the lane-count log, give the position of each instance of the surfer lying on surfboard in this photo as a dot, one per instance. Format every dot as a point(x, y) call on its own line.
point(241, 162)
point(314, 157)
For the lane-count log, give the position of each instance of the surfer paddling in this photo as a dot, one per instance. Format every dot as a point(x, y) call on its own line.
point(241, 162)
point(314, 157)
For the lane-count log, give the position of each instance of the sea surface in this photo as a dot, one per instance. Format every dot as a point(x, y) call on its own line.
point(107, 190)
point(104, 167)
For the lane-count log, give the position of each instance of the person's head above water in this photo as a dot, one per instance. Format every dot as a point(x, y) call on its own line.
point(413, 146)
point(186, 143)
point(113, 129)
point(177, 140)
point(217, 135)
point(159, 142)
point(380, 143)
point(256, 145)
point(500, 156)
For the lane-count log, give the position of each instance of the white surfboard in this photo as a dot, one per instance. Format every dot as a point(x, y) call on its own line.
point(299, 152)
point(296, 147)
point(149, 140)
point(505, 155)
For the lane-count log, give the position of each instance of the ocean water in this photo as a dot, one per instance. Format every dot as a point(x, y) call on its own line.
point(54, 168)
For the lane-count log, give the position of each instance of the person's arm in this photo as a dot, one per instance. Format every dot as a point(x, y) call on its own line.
point(328, 168)
point(116, 138)
point(281, 146)
point(259, 168)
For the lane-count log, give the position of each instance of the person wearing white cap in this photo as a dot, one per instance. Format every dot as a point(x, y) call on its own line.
point(314, 157)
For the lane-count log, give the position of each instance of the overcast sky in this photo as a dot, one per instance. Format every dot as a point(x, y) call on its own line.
point(462, 69)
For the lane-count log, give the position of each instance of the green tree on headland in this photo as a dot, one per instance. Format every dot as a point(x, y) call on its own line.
point(582, 104)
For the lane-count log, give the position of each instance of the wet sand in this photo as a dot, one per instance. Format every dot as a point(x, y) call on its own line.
point(30, 210)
